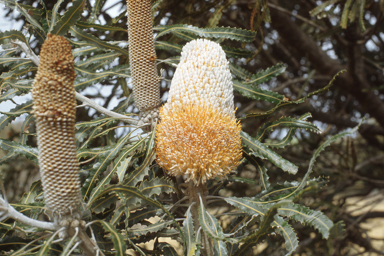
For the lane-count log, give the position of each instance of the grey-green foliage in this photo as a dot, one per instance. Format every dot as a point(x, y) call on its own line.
point(123, 188)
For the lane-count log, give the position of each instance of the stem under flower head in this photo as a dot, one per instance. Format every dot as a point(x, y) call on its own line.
point(196, 198)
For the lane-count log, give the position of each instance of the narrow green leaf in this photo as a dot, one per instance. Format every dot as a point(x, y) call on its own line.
point(81, 35)
point(103, 203)
point(68, 246)
point(287, 138)
point(95, 10)
point(236, 52)
point(142, 171)
point(307, 216)
point(157, 186)
point(124, 191)
point(167, 249)
point(7, 36)
point(361, 15)
point(34, 191)
point(189, 233)
point(96, 191)
point(321, 148)
point(137, 248)
point(209, 223)
point(140, 215)
point(239, 71)
point(117, 238)
point(99, 167)
point(267, 74)
point(263, 230)
point(255, 93)
point(97, 59)
point(287, 122)
point(44, 250)
point(153, 228)
point(345, 14)
point(117, 215)
point(86, 50)
point(260, 167)
point(218, 32)
point(262, 151)
point(321, 7)
point(86, 25)
point(163, 45)
point(36, 25)
point(216, 15)
point(19, 149)
point(285, 230)
point(70, 17)
point(55, 14)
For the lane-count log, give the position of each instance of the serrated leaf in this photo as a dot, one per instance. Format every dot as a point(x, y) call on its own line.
point(262, 151)
point(255, 93)
point(321, 7)
point(157, 186)
point(137, 248)
point(239, 71)
point(10, 94)
point(102, 203)
point(231, 52)
point(264, 228)
point(361, 15)
point(287, 138)
point(97, 59)
point(7, 36)
point(216, 15)
point(167, 249)
point(218, 32)
point(86, 25)
point(139, 215)
point(266, 75)
point(287, 122)
point(307, 216)
point(86, 50)
point(285, 230)
point(143, 230)
point(81, 35)
point(321, 148)
point(97, 190)
point(36, 25)
point(138, 175)
point(95, 10)
point(209, 223)
point(163, 45)
point(117, 238)
point(189, 233)
point(121, 169)
point(126, 191)
point(19, 149)
point(99, 167)
point(117, 215)
point(69, 18)
point(34, 190)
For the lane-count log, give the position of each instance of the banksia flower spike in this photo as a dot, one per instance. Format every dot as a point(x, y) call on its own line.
point(142, 59)
point(198, 135)
point(55, 112)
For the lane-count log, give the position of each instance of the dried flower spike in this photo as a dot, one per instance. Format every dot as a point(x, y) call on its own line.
point(198, 135)
point(142, 56)
point(55, 112)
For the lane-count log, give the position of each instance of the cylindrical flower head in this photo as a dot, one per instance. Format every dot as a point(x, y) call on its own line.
point(198, 135)
point(142, 58)
point(55, 112)
point(203, 77)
